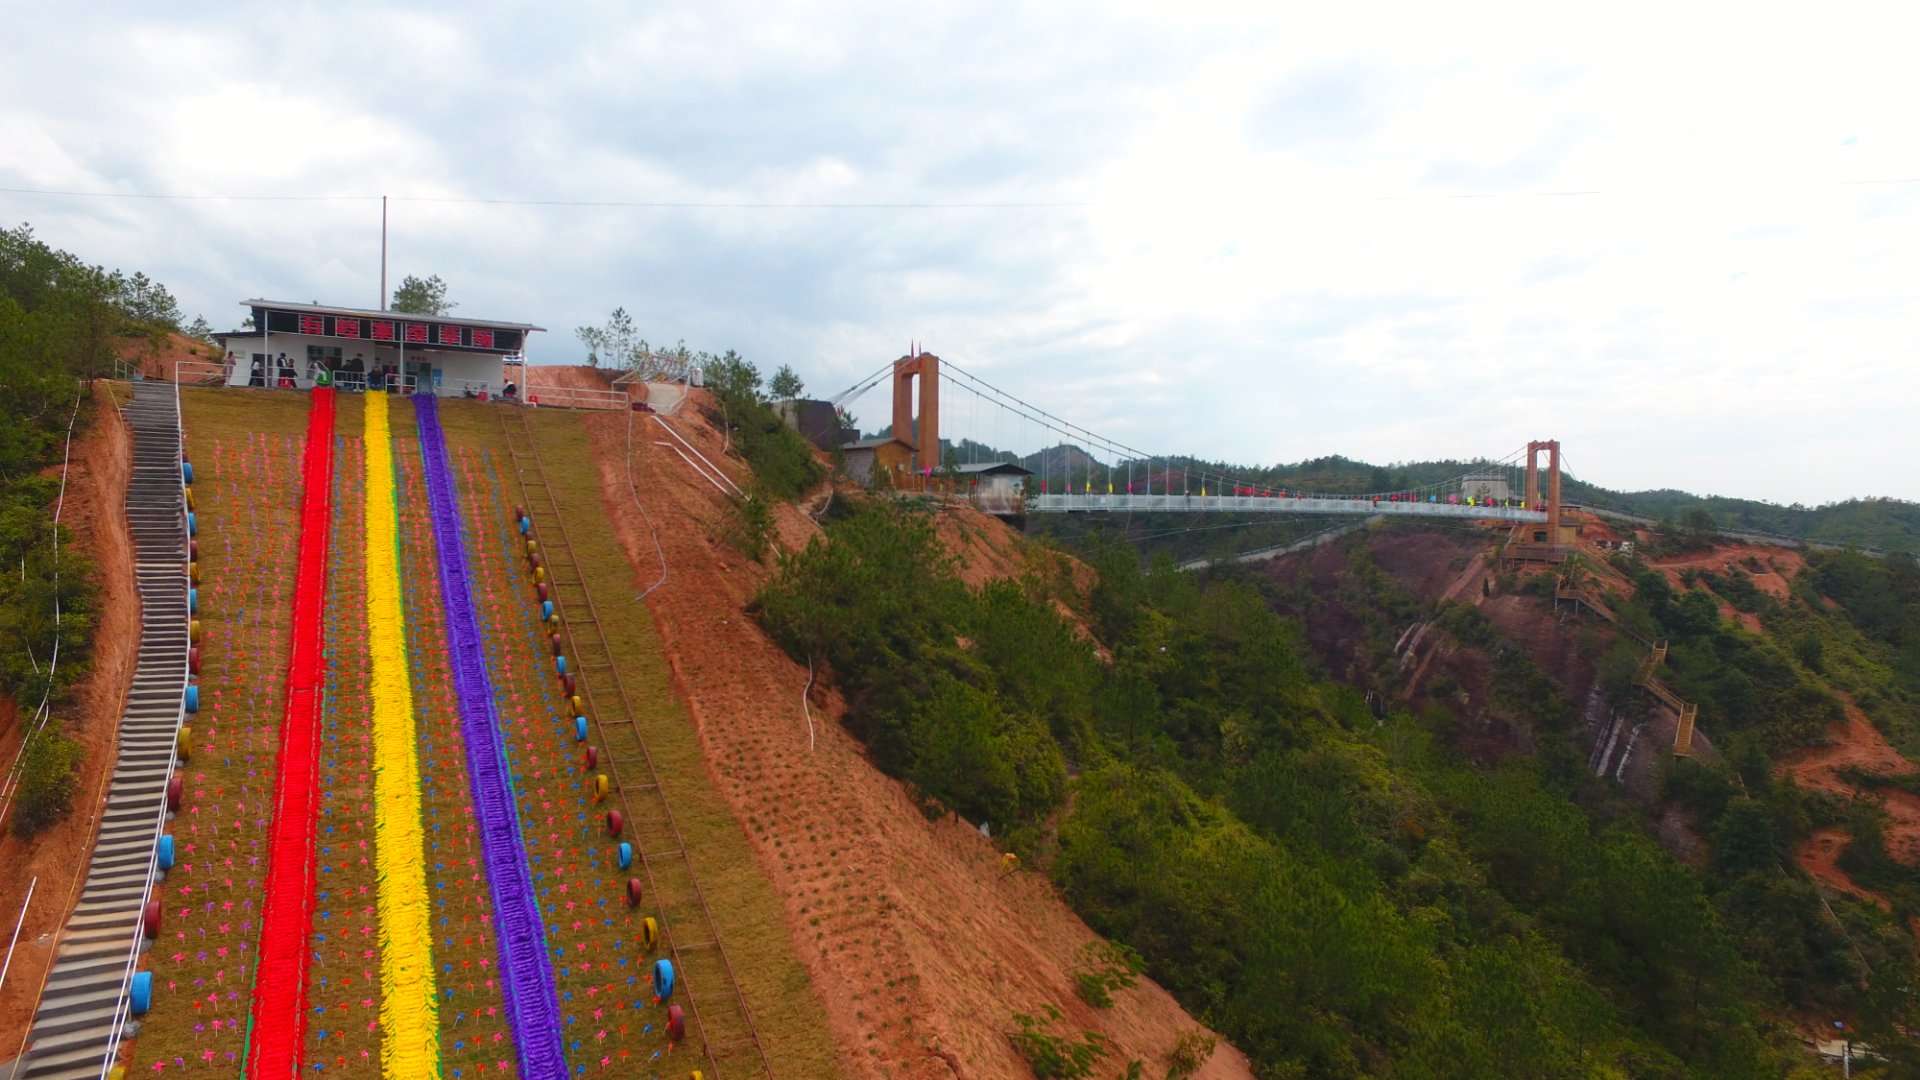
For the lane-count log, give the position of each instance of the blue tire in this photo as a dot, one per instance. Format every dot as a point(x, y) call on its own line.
point(193, 699)
point(524, 526)
point(186, 471)
point(546, 611)
point(141, 994)
point(560, 664)
point(579, 729)
point(626, 854)
point(663, 979)
point(163, 852)
point(193, 527)
point(193, 601)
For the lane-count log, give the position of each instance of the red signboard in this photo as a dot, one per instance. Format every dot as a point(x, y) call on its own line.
point(380, 330)
point(346, 327)
point(416, 333)
point(313, 324)
point(447, 335)
point(482, 339)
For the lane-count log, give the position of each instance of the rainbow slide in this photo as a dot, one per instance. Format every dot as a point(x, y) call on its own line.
point(526, 972)
point(409, 1007)
point(277, 1022)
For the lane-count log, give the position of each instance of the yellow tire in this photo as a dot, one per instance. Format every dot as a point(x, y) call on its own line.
point(649, 934)
point(600, 787)
point(183, 743)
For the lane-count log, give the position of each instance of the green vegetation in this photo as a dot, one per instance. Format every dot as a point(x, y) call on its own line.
point(61, 322)
point(1338, 889)
point(1052, 1056)
point(47, 779)
point(783, 462)
point(422, 296)
point(786, 384)
point(1105, 966)
point(961, 693)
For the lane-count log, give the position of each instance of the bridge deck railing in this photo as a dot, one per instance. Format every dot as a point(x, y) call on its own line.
point(1255, 504)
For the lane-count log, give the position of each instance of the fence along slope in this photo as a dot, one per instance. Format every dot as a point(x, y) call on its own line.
point(85, 996)
point(728, 1036)
point(526, 973)
point(277, 1024)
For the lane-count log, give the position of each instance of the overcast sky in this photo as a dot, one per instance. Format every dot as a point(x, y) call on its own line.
point(1674, 237)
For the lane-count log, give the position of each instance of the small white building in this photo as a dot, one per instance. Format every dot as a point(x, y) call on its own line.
point(360, 348)
point(1488, 484)
point(996, 487)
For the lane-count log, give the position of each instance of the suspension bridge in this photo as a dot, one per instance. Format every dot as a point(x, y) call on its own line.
point(1077, 470)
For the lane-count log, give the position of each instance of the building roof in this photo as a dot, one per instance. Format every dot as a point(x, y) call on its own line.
point(870, 444)
point(369, 313)
point(985, 467)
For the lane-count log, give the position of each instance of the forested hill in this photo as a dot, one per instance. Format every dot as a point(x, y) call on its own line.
point(61, 321)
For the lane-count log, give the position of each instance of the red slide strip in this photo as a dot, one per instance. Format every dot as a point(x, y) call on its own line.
point(277, 1026)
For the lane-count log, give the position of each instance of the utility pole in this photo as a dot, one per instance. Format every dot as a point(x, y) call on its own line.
point(383, 253)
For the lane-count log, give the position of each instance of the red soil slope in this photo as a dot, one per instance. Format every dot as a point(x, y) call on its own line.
point(155, 358)
point(1856, 744)
point(919, 944)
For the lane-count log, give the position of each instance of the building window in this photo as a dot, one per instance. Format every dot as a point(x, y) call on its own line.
point(326, 356)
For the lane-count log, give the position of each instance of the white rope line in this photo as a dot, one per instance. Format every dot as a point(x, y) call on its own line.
point(806, 708)
point(634, 490)
point(17, 924)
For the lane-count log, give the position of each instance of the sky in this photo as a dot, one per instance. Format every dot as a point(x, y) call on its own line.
point(1682, 239)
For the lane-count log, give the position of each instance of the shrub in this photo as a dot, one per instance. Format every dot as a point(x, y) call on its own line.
point(1056, 1057)
point(1106, 966)
point(48, 774)
point(1189, 1053)
point(749, 525)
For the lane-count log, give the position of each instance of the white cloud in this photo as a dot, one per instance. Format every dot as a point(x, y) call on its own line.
point(1306, 230)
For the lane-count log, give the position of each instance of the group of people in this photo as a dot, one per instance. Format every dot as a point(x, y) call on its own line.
point(257, 375)
point(508, 392)
point(354, 374)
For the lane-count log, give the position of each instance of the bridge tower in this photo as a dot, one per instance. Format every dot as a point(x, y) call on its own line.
point(925, 441)
point(1552, 447)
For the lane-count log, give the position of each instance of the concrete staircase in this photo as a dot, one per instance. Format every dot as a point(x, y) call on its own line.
point(74, 1030)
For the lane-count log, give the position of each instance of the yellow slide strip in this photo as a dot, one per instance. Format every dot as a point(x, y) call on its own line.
point(409, 1008)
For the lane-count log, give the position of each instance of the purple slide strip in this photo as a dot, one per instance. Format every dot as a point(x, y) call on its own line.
point(526, 975)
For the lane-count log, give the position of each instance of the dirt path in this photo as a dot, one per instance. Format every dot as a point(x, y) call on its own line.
point(919, 945)
point(1856, 744)
point(1779, 565)
point(55, 861)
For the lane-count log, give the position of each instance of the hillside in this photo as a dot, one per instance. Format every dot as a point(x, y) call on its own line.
point(1794, 822)
point(878, 893)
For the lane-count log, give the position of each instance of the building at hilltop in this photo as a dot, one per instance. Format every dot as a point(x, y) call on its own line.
point(1486, 485)
point(359, 348)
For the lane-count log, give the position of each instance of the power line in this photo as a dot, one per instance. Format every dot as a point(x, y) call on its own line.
point(184, 197)
point(637, 204)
